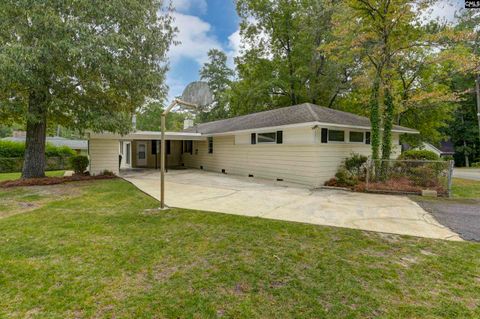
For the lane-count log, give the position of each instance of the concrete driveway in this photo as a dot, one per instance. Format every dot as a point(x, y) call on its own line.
point(195, 189)
point(467, 173)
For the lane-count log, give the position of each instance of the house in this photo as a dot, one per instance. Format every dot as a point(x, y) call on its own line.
point(444, 149)
point(302, 143)
point(79, 146)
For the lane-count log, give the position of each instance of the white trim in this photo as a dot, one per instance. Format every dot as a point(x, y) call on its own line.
point(148, 135)
point(267, 143)
point(306, 124)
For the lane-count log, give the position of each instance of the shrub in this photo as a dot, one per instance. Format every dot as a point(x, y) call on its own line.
point(355, 164)
point(10, 149)
point(476, 164)
point(79, 163)
point(345, 178)
point(420, 155)
point(425, 176)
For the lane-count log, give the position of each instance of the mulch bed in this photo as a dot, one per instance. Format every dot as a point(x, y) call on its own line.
point(52, 180)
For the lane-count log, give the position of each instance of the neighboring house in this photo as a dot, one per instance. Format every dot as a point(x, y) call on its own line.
point(444, 149)
point(79, 146)
point(303, 143)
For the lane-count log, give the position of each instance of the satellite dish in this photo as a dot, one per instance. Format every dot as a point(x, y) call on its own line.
point(198, 93)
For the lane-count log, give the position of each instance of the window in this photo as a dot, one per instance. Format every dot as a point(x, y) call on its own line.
point(356, 137)
point(210, 145)
point(336, 136)
point(270, 137)
point(141, 151)
point(188, 147)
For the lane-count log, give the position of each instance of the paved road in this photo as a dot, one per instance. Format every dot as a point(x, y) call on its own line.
point(467, 173)
point(195, 189)
point(461, 216)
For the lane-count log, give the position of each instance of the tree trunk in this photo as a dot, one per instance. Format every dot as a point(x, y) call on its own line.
point(387, 123)
point(375, 118)
point(477, 89)
point(34, 162)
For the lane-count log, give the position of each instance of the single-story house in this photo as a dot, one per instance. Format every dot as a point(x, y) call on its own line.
point(443, 149)
point(302, 143)
point(79, 146)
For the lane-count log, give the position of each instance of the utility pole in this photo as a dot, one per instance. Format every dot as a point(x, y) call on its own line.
point(477, 86)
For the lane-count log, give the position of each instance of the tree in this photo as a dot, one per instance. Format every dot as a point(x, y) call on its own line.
point(149, 118)
point(281, 63)
point(219, 77)
point(80, 65)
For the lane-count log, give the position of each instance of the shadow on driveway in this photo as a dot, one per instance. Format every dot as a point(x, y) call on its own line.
point(461, 216)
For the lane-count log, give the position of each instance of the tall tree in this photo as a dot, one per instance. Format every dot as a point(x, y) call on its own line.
point(219, 77)
point(79, 65)
point(281, 63)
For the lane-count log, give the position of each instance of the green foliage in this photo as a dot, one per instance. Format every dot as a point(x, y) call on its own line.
point(355, 164)
point(79, 163)
point(11, 149)
point(219, 77)
point(149, 119)
point(476, 165)
point(424, 155)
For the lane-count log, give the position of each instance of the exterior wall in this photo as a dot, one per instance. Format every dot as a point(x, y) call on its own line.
point(103, 155)
point(173, 159)
point(300, 159)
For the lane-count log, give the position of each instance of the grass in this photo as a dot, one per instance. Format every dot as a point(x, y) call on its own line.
point(97, 249)
point(13, 176)
point(465, 188)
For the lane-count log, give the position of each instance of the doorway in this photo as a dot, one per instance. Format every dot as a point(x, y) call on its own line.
point(142, 153)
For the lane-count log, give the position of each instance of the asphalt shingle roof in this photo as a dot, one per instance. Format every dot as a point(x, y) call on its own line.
point(296, 114)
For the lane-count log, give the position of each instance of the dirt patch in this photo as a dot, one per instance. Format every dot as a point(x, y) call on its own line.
point(52, 180)
point(22, 200)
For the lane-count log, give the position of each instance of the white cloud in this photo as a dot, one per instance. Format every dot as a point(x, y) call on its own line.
point(194, 37)
point(444, 10)
point(190, 6)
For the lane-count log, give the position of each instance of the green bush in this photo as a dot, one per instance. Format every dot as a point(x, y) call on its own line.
point(476, 164)
point(17, 149)
point(345, 178)
point(79, 163)
point(420, 155)
point(355, 164)
point(11, 149)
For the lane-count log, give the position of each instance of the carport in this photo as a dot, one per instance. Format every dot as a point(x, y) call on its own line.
point(201, 190)
point(137, 150)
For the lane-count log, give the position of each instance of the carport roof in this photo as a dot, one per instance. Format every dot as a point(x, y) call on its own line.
point(305, 113)
point(148, 135)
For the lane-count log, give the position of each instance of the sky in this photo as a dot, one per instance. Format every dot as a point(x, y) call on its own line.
point(202, 25)
point(207, 24)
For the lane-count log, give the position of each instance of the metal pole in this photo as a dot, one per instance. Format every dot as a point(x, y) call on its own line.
point(162, 165)
point(477, 89)
point(449, 178)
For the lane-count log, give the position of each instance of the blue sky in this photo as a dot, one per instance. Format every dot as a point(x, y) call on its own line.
point(207, 24)
point(203, 25)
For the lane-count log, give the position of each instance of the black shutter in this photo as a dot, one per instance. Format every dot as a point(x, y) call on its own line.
point(253, 138)
point(324, 135)
point(367, 138)
point(154, 147)
point(279, 137)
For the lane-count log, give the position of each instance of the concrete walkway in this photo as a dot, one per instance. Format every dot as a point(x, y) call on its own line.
point(195, 189)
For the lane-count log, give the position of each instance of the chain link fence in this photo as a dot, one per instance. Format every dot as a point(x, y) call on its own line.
point(409, 176)
point(15, 164)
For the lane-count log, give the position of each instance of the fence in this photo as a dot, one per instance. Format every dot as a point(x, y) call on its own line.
point(15, 164)
point(409, 176)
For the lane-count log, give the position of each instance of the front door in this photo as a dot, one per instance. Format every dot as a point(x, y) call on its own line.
point(142, 154)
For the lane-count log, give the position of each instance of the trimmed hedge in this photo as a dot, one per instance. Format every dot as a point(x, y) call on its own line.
point(421, 155)
point(15, 164)
point(10, 149)
point(79, 163)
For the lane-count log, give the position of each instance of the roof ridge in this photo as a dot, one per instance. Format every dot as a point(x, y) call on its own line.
point(309, 106)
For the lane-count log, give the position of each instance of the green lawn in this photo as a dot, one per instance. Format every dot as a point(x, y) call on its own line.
point(465, 188)
point(94, 249)
point(12, 176)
